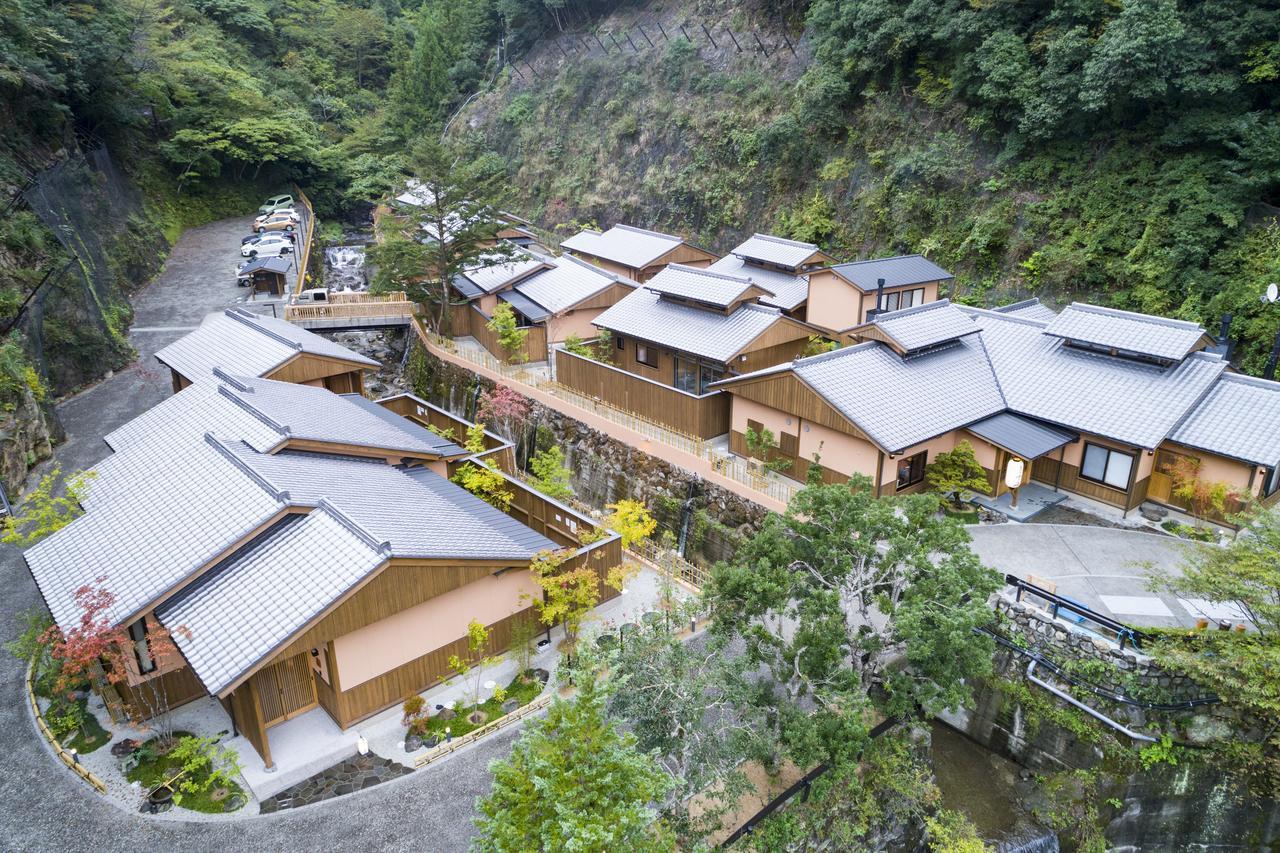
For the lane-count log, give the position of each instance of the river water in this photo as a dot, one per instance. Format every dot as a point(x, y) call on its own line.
point(344, 269)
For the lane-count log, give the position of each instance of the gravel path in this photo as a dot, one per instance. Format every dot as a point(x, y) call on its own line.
point(45, 807)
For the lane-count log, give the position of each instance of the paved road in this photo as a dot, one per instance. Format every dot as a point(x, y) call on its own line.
point(45, 808)
point(1103, 568)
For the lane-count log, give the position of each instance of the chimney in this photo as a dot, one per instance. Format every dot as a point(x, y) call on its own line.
point(1270, 371)
point(1224, 334)
point(879, 298)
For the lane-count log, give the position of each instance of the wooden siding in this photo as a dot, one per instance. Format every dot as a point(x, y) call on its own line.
point(798, 470)
point(470, 320)
point(787, 393)
point(178, 686)
point(757, 359)
point(497, 449)
point(703, 417)
point(248, 720)
point(305, 368)
point(1067, 477)
point(606, 298)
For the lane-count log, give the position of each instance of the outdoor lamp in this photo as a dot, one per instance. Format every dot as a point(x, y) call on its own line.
point(1013, 478)
point(362, 745)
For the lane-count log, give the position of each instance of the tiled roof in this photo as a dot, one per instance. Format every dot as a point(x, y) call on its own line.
point(280, 265)
point(422, 435)
point(701, 285)
point(1129, 401)
point(1026, 437)
point(251, 604)
point(1029, 309)
point(775, 250)
point(788, 290)
point(896, 272)
point(566, 282)
point(248, 344)
point(491, 277)
point(1144, 334)
point(644, 314)
point(1239, 418)
point(624, 244)
point(171, 520)
point(419, 512)
point(901, 401)
point(925, 326)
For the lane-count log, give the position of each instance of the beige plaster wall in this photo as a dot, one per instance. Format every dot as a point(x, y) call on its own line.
point(839, 451)
point(487, 303)
point(415, 631)
point(942, 444)
point(833, 304)
point(576, 322)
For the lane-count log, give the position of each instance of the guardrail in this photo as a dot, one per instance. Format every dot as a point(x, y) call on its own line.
point(335, 310)
point(67, 758)
point(308, 227)
point(447, 749)
point(1057, 604)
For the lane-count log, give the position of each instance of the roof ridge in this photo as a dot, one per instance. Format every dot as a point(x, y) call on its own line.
point(879, 260)
point(1245, 379)
point(1134, 315)
point(601, 271)
point(742, 279)
point(325, 505)
point(1000, 315)
point(648, 231)
point(914, 309)
point(269, 487)
point(831, 356)
point(231, 380)
point(786, 240)
point(1014, 306)
point(283, 429)
point(248, 319)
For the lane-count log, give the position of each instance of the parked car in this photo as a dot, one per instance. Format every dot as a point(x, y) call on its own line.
point(275, 223)
point(267, 245)
point(291, 235)
point(284, 213)
point(312, 296)
point(276, 202)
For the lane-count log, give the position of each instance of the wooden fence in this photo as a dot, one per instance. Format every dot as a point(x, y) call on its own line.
point(308, 232)
point(699, 415)
point(353, 305)
point(67, 758)
point(469, 320)
point(446, 749)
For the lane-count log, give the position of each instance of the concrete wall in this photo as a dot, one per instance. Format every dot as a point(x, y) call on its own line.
point(415, 631)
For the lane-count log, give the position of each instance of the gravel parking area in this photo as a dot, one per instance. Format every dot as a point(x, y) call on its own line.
point(43, 806)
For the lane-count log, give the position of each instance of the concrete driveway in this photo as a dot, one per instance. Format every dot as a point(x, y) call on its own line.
point(1105, 569)
point(43, 806)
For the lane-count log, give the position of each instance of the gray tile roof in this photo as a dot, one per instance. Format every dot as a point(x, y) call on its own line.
point(419, 512)
point(644, 314)
point(280, 265)
point(789, 291)
point(896, 271)
point(1029, 309)
point(526, 306)
point(248, 606)
point(566, 282)
point(1239, 418)
point(1026, 437)
point(1158, 337)
point(925, 326)
point(901, 401)
point(168, 522)
point(247, 344)
point(701, 285)
point(775, 250)
point(624, 244)
point(442, 445)
point(494, 276)
point(1129, 401)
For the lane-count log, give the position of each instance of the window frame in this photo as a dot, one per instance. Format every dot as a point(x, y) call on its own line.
point(692, 370)
point(647, 349)
point(910, 462)
point(1109, 451)
point(143, 660)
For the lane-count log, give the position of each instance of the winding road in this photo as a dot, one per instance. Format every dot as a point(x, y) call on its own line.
point(45, 807)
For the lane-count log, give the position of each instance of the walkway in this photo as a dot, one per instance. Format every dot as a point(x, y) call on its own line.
point(1105, 569)
point(42, 806)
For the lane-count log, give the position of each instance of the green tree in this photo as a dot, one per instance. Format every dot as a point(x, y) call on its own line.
point(568, 595)
point(50, 506)
point(574, 781)
point(826, 595)
point(474, 663)
point(510, 336)
point(955, 472)
point(763, 445)
point(455, 226)
point(550, 476)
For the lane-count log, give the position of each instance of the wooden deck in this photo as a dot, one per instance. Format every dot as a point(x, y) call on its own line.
point(353, 310)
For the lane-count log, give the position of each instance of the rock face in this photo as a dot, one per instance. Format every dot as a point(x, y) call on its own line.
point(604, 470)
point(27, 436)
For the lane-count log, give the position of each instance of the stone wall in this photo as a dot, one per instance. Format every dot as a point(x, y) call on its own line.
point(604, 469)
point(27, 436)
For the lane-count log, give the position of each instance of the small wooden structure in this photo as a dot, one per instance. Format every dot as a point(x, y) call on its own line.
point(266, 275)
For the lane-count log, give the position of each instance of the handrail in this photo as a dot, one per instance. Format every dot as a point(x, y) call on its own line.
point(1071, 700)
point(1122, 631)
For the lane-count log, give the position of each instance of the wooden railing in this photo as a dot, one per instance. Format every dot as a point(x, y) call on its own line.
point(353, 306)
point(305, 239)
point(702, 416)
point(446, 749)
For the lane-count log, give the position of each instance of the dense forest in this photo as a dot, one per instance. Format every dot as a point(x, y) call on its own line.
point(1125, 152)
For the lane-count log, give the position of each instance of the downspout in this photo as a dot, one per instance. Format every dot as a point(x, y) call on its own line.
point(879, 471)
point(1062, 459)
point(1133, 478)
point(1097, 715)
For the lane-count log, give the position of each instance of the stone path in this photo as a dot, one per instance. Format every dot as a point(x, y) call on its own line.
point(355, 774)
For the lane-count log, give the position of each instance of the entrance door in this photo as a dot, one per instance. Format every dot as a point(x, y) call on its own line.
point(285, 689)
point(1160, 486)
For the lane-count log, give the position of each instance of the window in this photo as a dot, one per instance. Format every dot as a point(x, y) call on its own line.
point(1106, 466)
point(904, 299)
point(686, 376)
point(141, 651)
point(622, 343)
point(1271, 482)
point(708, 376)
point(648, 356)
point(911, 469)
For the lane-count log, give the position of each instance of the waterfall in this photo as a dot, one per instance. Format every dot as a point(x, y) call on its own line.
point(1031, 841)
point(344, 268)
point(686, 515)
